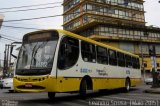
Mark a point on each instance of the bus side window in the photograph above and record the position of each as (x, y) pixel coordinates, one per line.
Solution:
(68, 52)
(112, 57)
(88, 52)
(138, 63)
(121, 59)
(128, 61)
(102, 55)
(135, 63)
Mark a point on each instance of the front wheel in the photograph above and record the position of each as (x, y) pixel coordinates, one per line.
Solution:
(51, 95)
(83, 89)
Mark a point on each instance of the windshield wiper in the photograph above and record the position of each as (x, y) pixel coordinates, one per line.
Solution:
(35, 51)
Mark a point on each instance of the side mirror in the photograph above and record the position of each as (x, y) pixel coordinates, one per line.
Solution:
(11, 52)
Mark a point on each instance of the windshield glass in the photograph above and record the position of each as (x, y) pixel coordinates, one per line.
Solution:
(36, 58)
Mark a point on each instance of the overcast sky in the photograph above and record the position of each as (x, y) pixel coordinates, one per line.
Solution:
(152, 17)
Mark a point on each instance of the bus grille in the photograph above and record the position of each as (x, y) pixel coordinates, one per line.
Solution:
(31, 79)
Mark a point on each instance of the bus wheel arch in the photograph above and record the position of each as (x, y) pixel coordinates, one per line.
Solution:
(86, 84)
(89, 82)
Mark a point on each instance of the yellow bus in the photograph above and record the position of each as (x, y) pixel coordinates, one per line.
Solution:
(57, 61)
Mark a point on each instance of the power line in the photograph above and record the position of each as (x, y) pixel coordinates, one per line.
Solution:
(20, 27)
(6, 38)
(9, 36)
(27, 19)
(30, 9)
(29, 6)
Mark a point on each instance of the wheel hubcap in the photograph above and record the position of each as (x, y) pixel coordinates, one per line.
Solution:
(128, 87)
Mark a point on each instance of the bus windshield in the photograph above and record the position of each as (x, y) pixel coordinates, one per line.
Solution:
(36, 58)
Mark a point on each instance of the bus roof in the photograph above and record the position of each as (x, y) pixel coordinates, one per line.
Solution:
(84, 39)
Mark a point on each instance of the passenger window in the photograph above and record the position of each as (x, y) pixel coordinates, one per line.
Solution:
(68, 52)
(112, 57)
(121, 59)
(128, 61)
(138, 63)
(134, 60)
(88, 52)
(102, 55)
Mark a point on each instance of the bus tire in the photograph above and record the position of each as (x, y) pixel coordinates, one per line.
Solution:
(127, 85)
(51, 95)
(83, 89)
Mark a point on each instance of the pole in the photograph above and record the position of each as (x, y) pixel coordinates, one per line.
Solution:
(152, 53)
(7, 57)
(4, 64)
(0, 61)
(142, 66)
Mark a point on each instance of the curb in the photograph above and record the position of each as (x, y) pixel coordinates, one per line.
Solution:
(152, 91)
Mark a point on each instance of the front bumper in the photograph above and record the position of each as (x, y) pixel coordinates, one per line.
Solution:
(37, 84)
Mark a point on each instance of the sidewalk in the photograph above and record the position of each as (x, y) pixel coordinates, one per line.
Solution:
(152, 90)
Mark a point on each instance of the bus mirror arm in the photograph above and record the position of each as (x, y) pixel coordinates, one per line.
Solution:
(14, 56)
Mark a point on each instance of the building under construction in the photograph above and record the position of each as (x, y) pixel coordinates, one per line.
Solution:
(119, 23)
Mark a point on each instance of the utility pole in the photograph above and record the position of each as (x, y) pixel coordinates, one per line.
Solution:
(0, 61)
(152, 53)
(7, 58)
(4, 64)
(142, 57)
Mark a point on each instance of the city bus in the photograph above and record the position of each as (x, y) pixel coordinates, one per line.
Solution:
(58, 61)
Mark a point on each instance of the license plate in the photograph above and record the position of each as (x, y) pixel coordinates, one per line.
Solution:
(28, 85)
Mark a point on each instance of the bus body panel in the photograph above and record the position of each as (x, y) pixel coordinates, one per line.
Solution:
(69, 80)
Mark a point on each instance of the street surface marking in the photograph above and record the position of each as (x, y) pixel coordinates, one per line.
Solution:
(71, 104)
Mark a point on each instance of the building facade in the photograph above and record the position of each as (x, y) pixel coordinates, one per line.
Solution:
(119, 23)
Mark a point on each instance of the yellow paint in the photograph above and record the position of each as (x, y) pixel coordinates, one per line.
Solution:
(61, 84)
(147, 60)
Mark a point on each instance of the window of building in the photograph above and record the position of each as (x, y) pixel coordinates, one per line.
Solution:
(127, 32)
(120, 31)
(115, 31)
(110, 30)
(89, 7)
(112, 57)
(102, 55)
(88, 52)
(116, 12)
(69, 48)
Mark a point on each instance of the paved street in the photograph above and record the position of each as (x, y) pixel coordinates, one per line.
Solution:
(135, 97)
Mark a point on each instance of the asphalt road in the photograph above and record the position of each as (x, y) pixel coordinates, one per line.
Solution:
(136, 97)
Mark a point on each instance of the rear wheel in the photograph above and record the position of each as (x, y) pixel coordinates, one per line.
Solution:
(51, 95)
(83, 89)
(127, 85)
